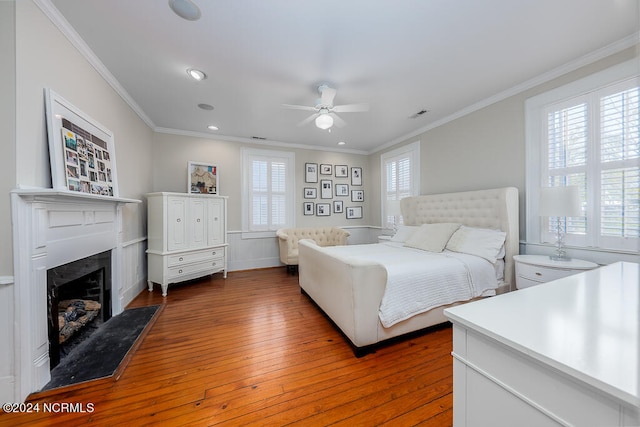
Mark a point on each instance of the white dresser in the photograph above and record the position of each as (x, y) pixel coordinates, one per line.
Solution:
(563, 353)
(187, 236)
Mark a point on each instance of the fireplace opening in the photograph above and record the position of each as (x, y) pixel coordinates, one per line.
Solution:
(78, 302)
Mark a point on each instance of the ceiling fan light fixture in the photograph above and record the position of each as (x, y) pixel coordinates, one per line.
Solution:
(196, 74)
(324, 121)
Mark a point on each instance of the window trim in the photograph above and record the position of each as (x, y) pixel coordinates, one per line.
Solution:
(534, 134)
(413, 151)
(289, 158)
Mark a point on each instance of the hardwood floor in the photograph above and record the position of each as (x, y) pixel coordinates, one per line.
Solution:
(252, 350)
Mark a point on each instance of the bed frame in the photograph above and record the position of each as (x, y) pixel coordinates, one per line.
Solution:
(349, 291)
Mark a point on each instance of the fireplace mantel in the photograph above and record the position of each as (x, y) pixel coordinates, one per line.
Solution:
(51, 228)
(50, 194)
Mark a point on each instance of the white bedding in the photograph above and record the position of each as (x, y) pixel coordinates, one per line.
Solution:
(418, 280)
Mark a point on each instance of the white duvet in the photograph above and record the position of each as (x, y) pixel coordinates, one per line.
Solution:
(418, 281)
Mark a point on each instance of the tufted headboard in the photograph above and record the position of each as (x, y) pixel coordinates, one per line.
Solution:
(496, 209)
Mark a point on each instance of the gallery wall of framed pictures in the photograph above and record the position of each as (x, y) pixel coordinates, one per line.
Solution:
(336, 189)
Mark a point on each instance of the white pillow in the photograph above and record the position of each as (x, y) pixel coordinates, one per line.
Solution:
(404, 232)
(432, 237)
(481, 242)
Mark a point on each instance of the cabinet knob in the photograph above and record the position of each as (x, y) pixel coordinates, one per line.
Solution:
(215, 219)
(180, 271)
(213, 264)
(538, 273)
(213, 253)
(180, 259)
(198, 220)
(178, 220)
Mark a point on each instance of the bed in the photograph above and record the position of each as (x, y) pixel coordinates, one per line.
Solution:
(350, 283)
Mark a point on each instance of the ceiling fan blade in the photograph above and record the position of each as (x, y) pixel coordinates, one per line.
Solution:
(337, 120)
(326, 95)
(351, 108)
(307, 120)
(299, 107)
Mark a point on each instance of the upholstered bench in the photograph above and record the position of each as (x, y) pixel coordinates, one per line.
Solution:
(323, 236)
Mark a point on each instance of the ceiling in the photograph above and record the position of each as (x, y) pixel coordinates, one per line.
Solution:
(446, 57)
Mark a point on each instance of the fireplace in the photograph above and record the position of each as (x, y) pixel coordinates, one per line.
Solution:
(78, 302)
(53, 228)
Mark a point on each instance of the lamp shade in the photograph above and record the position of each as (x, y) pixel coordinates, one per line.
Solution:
(324, 121)
(560, 201)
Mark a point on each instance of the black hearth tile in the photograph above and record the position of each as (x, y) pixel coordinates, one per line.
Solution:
(101, 354)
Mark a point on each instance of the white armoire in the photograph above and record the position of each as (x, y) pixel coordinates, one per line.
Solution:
(187, 237)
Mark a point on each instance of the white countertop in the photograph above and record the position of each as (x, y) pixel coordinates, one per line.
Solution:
(586, 325)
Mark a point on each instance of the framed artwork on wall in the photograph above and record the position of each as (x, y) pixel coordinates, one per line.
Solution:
(357, 195)
(356, 176)
(342, 171)
(326, 189)
(338, 206)
(323, 209)
(310, 193)
(311, 172)
(342, 190)
(307, 208)
(81, 150)
(354, 212)
(202, 178)
(326, 169)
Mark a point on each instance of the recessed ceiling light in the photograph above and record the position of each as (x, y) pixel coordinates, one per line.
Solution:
(341, 143)
(196, 74)
(206, 107)
(185, 9)
(212, 127)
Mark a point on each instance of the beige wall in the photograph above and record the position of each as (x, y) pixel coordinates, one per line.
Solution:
(7, 129)
(171, 153)
(46, 59)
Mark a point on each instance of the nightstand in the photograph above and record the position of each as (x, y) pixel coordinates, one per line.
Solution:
(532, 270)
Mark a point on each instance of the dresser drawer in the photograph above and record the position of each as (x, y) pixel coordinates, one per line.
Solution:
(189, 269)
(542, 274)
(195, 256)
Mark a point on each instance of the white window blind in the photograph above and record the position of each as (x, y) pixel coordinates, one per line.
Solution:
(593, 142)
(400, 178)
(268, 189)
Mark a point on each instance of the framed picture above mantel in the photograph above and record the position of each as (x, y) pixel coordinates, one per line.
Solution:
(81, 150)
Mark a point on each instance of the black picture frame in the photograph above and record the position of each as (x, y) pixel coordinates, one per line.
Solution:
(342, 171)
(310, 193)
(311, 172)
(326, 169)
(354, 212)
(307, 208)
(323, 209)
(326, 189)
(356, 176)
(357, 195)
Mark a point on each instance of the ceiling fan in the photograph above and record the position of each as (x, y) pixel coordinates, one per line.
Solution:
(324, 113)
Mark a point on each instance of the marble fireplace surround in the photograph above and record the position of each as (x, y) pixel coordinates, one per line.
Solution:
(52, 228)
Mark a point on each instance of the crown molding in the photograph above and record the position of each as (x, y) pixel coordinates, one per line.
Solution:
(264, 142)
(67, 30)
(583, 61)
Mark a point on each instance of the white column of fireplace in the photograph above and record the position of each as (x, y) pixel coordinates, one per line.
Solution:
(52, 228)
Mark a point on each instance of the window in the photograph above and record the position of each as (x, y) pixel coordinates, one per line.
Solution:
(400, 177)
(591, 140)
(268, 189)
